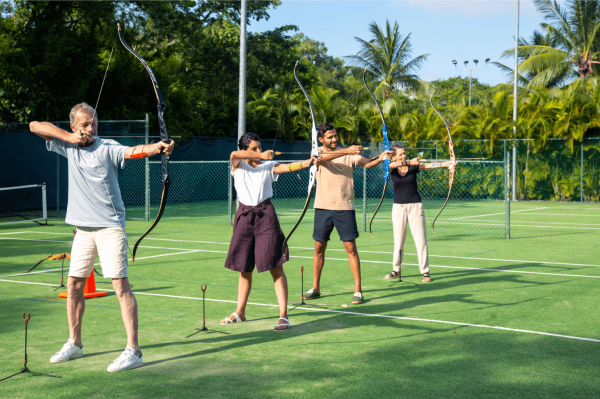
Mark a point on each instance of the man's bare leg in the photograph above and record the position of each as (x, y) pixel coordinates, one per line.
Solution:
(353, 259)
(129, 312)
(75, 307)
(318, 263)
(281, 289)
(244, 287)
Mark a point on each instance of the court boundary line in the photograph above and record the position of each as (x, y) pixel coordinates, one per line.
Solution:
(387, 262)
(334, 249)
(500, 213)
(454, 323)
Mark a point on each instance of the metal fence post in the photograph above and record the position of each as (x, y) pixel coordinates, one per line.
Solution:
(147, 170)
(581, 173)
(229, 193)
(436, 170)
(507, 192)
(364, 200)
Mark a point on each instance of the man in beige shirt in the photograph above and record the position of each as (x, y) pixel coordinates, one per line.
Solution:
(334, 205)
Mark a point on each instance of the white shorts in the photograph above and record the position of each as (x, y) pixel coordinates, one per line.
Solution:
(108, 242)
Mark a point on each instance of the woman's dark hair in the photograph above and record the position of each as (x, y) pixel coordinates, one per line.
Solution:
(325, 127)
(395, 148)
(245, 140)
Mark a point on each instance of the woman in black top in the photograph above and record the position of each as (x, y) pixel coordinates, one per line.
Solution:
(409, 208)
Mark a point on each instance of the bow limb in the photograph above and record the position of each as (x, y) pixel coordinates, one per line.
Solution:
(314, 152)
(164, 136)
(452, 159)
(37, 264)
(386, 146)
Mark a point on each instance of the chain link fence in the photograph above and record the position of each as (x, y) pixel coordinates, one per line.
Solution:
(558, 171)
(202, 191)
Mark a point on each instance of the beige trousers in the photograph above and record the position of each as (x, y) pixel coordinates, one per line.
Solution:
(415, 216)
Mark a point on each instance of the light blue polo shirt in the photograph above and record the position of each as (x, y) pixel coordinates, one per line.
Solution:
(93, 182)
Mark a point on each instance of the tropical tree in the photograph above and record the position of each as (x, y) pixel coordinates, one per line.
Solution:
(570, 47)
(387, 58)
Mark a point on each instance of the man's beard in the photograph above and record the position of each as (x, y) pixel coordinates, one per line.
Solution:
(331, 146)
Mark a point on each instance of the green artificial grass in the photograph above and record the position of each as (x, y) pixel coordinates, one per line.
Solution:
(397, 344)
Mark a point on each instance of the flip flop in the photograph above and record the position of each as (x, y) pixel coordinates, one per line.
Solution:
(392, 275)
(232, 321)
(282, 327)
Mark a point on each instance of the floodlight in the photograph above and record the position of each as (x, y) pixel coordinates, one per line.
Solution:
(466, 62)
(476, 62)
(454, 62)
(487, 60)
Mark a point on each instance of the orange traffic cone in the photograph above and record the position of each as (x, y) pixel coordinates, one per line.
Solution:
(89, 291)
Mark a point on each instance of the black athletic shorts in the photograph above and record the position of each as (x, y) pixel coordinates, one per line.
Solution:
(344, 222)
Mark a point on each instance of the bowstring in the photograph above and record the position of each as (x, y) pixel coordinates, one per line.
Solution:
(287, 94)
(98, 158)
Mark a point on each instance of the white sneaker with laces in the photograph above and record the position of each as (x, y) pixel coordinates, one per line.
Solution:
(69, 351)
(127, 360)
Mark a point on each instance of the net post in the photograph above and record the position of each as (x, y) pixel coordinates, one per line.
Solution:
(147, 172)
(57, 185)
(44, 203)
(364, 200)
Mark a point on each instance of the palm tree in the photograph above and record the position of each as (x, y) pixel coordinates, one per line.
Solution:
(387, 57)
(572, 43)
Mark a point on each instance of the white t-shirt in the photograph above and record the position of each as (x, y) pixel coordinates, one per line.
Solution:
(254, 185)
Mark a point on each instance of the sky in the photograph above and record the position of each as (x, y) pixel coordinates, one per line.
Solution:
(446, 30)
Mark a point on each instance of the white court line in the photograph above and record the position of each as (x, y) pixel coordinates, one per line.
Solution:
(454, 323)
(360, 251)
(98, 264)
(524, 221)
(387, 262)
(500, 213)
(391, 253)
(560, 214)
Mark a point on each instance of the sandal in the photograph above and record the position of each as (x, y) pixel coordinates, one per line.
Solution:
(426, 278)
(229, 320)
(393, 274)
(282, 327)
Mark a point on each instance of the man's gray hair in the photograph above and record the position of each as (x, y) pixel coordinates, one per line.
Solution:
(81, 107)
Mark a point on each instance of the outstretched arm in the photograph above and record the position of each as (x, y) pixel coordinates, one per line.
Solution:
(149, 150)
(294, 166)
(369, 163)
(447, 164)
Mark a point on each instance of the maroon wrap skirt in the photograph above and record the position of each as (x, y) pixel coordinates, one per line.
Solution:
(257, 239)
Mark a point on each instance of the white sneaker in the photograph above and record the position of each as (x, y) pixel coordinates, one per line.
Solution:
(69, 351)
(127, 360)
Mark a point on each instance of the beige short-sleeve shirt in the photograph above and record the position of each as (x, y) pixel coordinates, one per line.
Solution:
(335, 183)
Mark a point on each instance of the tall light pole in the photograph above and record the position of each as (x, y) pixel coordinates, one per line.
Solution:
(242, 96)
(515, 94)
(471, 72)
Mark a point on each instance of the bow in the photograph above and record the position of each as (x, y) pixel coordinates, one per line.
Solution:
(452, 159)
(164, 136)
(314, 153)
(62, 256)
(386, 146)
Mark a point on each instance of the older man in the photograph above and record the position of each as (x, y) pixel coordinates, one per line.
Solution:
(96, 208)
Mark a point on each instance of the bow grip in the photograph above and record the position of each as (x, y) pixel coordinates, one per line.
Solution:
(162, 150)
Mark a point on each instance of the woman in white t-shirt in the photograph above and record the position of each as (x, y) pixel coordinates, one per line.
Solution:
(257, 237)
